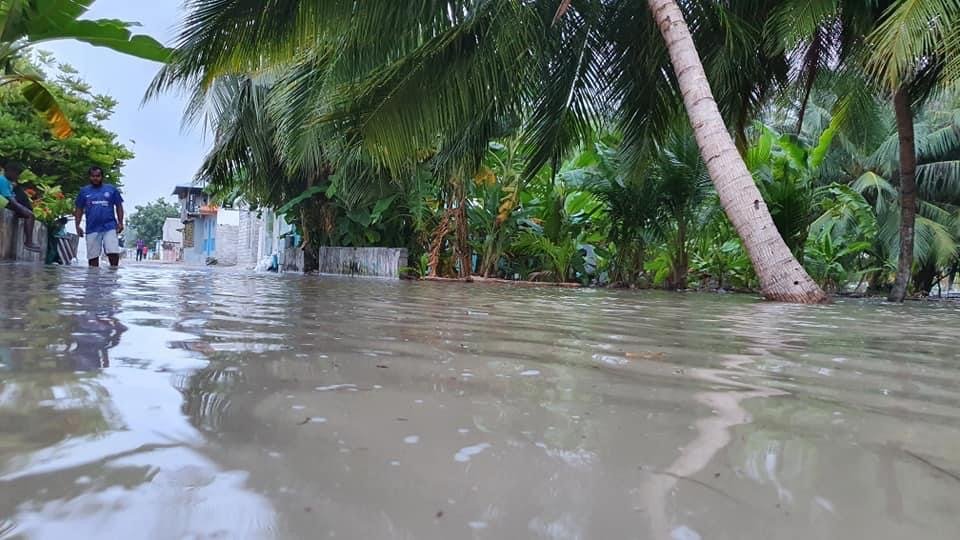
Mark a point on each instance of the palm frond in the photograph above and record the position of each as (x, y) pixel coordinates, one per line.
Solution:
(909, 31)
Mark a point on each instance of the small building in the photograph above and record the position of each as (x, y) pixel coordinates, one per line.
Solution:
(199, 218)
(170, 246)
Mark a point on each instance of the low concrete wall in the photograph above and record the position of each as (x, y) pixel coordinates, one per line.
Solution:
(292, 260)
(374, 262)
(11, 239)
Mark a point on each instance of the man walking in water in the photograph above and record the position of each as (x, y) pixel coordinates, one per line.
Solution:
(103, 206)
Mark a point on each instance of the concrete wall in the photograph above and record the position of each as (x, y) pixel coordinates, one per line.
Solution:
(292, 260)
(378, 262)
(173, 230)
(11, 239)
(248, 239)
(226, 253)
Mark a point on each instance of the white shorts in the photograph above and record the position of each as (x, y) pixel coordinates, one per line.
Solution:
(102, 242)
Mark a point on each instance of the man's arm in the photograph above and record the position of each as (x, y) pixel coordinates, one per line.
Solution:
(119, 218)
(78, 217)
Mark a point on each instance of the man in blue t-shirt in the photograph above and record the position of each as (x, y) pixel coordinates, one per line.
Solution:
(103, 206)
(12, 197)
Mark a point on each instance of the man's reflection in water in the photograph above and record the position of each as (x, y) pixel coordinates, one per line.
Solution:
(96, 329)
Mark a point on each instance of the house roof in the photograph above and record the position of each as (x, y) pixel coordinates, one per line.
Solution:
(185, 190)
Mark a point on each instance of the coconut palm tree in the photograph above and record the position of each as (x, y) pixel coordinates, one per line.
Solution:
(405, 73)
(27, 23)
(915, 49)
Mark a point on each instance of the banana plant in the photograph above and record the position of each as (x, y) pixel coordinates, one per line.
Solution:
(26, 23)
(787, 170)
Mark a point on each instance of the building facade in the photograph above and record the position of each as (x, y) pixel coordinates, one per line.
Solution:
(199, 218)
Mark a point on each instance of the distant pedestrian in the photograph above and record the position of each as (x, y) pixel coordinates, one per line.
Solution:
(12, 196)
(102, 205)
(141, 249)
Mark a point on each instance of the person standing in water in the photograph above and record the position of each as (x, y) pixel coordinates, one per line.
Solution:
(103, 207)
(141, 249)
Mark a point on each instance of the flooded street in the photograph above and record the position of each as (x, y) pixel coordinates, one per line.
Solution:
(162, 402)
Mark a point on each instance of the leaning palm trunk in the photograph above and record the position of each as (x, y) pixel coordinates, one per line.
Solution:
(782, 277)
(908, 193)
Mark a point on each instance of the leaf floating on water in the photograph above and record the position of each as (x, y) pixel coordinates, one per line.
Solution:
(305, 421)
(382, 366)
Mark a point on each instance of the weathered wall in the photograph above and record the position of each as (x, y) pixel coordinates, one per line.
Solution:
(226, 244)
(11, 239)
(248, 239)
(292, 259)
(378, 262)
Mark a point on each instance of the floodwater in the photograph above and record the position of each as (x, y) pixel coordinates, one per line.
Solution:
(160, 402)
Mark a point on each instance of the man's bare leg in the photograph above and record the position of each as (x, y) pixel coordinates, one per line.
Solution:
(94, 262)
(26, 216)
(114, 259)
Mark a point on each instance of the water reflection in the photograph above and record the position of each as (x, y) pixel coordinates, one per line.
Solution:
(287, 407)
(91, 438)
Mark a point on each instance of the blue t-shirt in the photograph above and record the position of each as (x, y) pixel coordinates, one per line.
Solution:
(97, 204)
(6, 188)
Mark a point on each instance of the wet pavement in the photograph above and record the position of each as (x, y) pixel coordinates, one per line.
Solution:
(165, 402)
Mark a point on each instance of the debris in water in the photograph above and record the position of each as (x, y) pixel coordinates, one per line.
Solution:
(382, 366)
(530, 373)
(305, 421)
(684, 533)
(336, 387)
(411, 439)
(439, 514)
(468, 452)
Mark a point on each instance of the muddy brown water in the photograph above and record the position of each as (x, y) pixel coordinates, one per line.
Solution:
(160, 402)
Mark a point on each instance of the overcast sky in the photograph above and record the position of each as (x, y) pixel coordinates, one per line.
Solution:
(165, 155)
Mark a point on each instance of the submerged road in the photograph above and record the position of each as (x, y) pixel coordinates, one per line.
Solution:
(167, 402)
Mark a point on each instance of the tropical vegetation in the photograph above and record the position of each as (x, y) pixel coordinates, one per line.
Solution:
(57, 168)
(547, 141)
(787, 146)
(27, 23)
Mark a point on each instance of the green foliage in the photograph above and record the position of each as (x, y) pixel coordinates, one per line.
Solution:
(24, 136)
(147, 221)
(25, 23)
(558, 137)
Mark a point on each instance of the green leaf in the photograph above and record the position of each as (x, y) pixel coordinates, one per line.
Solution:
(381, 207)
(361, 217)
(794, 150)
(109, 33)
(309, 193)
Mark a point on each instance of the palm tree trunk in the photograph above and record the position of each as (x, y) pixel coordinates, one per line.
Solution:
(908, 193)
(311, 260)
(781, 276)
(681, 264)
(462, 246)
